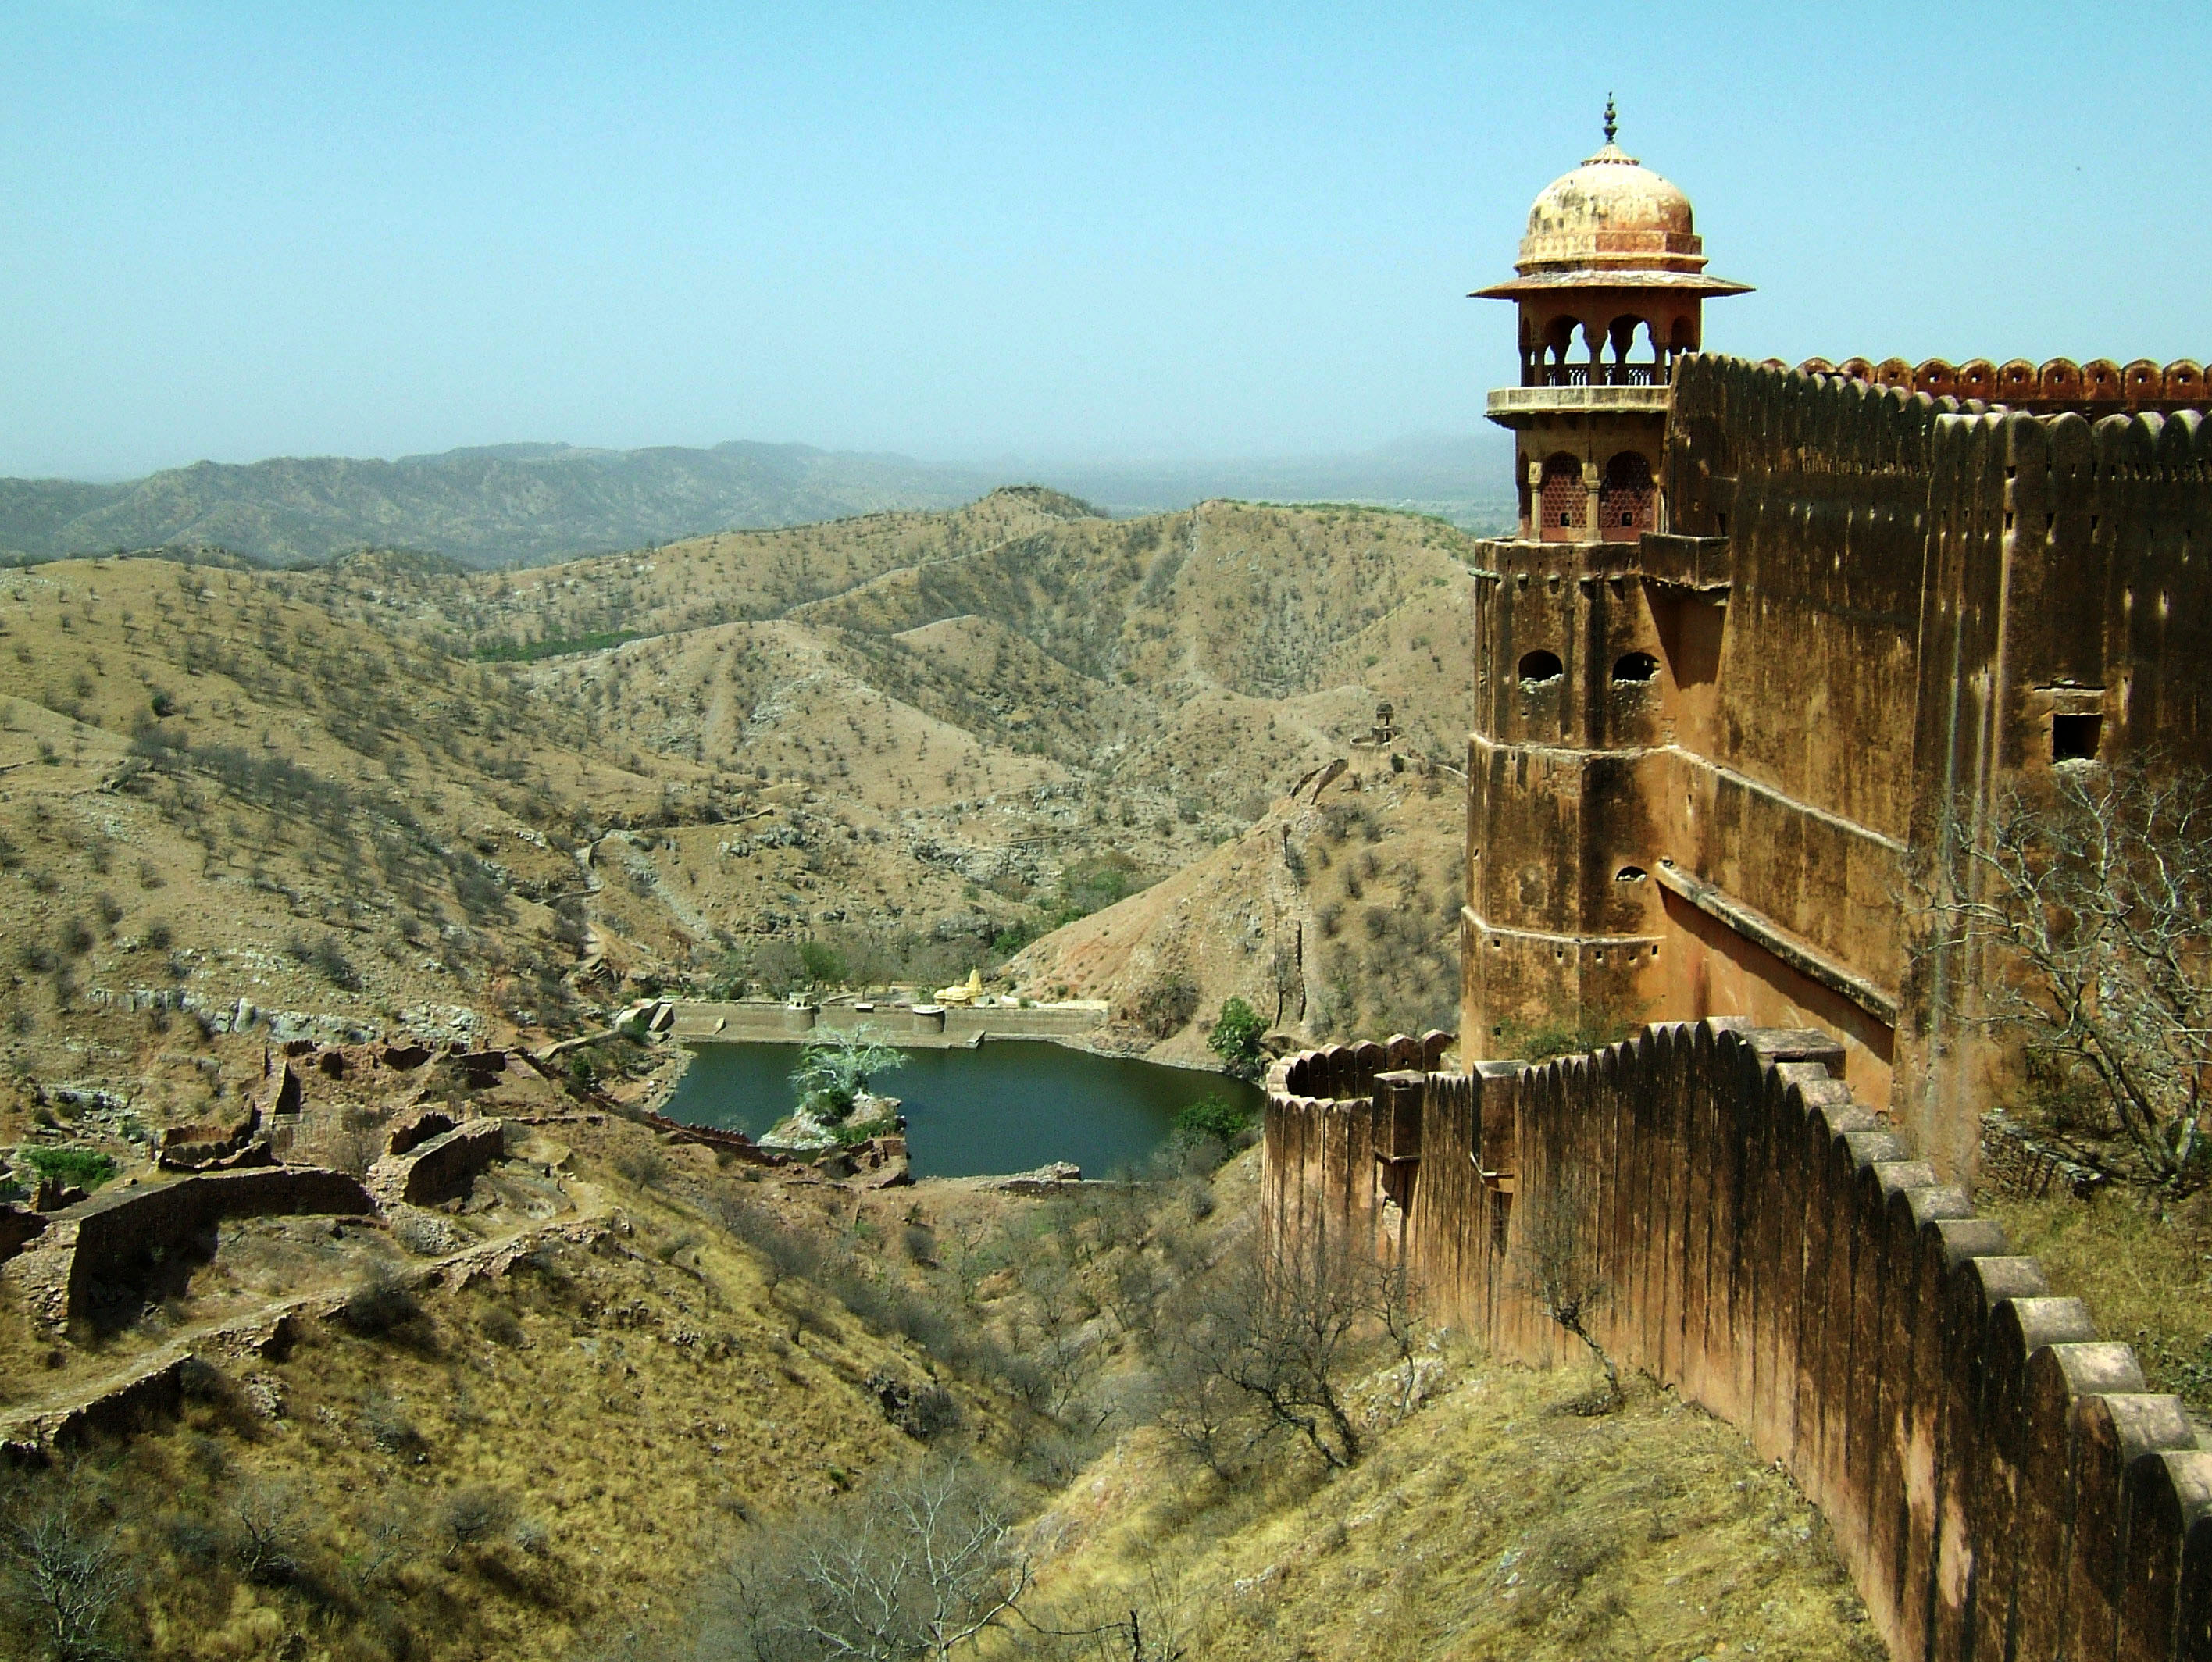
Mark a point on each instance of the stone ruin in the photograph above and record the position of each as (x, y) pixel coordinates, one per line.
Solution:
(73, 1262)
(1385, 731)
(76, 1261)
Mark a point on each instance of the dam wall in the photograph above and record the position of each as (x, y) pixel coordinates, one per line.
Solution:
(926, 1026)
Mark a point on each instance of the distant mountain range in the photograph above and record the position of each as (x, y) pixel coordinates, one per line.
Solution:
(524, 504)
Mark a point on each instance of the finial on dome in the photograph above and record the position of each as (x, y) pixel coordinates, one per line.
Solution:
(1612, 125)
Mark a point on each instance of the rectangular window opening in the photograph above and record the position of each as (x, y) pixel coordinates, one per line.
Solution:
(2074, 738)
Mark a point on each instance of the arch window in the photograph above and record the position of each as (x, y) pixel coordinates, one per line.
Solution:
(1563, 500)
(1539, 667)
(1628, 497)
(1635, 668)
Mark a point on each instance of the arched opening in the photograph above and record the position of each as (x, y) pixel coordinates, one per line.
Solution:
(1635, 668)
(1538, 667)
(1564, 501)
(1627, 498)
(1629, 874)
(1559, 338)
(1620, 372)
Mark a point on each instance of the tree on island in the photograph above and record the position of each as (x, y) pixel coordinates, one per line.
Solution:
(833, 1071)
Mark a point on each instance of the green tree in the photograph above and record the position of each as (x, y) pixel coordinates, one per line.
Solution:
(1236, 1039)
(834, 1067)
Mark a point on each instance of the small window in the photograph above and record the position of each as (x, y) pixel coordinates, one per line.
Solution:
(1636, 667)
(1629, 874)
(2075, 738)
(1539, 667)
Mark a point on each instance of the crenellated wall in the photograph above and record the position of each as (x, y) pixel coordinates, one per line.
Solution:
(2098, 388)
(1997, 1477)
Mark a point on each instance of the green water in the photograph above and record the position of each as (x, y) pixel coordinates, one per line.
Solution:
(1008, 1107)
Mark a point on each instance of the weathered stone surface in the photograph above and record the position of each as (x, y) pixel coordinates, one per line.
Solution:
(112, 1237)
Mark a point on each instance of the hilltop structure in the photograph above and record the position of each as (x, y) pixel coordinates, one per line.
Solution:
(1762, 634)
(1726, 719)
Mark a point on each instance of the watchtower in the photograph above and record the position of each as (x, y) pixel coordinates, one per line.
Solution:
(1583, 669)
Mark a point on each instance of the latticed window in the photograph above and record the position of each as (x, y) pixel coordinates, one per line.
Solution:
(1627, 499)
(1564, 497)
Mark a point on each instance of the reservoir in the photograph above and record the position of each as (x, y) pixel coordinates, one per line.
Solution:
(1008, 1107)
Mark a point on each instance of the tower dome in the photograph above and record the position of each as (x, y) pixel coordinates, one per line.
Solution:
(1609, 292)
(1611, 223)
(1612, 213)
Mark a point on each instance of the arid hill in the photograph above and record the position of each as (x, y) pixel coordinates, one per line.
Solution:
(490, 505)
(388, 794)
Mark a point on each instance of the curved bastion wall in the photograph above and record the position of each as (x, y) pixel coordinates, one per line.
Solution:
(1995, 1476)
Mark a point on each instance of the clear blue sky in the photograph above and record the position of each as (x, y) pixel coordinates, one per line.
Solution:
(1038, 231)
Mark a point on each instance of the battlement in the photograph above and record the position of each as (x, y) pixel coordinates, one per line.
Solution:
(2098, 388)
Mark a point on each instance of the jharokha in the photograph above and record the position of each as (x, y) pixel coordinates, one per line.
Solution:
(1763, 640)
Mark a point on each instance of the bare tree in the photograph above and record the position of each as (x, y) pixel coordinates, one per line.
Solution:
(1554, 1263)
(912, 1569)
(270, 1525)
(1154, 1625)
(69, 1573)
(1202, 1410)
(2089, 897)
(1282, 1327)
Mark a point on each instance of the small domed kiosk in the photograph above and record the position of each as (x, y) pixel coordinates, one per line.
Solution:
(1610, 286)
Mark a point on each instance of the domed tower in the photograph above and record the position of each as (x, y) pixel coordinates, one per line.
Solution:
(1583, 668)
(1609, 287)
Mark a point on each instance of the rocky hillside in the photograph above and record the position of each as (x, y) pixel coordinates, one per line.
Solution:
(1335, 915)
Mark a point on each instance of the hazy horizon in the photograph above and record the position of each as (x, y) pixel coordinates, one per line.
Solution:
(1484, 445)
(955, 231)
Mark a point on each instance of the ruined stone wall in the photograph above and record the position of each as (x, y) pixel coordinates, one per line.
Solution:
(1995, 1476)
(112, 1237)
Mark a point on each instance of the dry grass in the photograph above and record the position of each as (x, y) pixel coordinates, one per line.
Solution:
(1492, 1523)
(494, 1470)
(2145, 1272)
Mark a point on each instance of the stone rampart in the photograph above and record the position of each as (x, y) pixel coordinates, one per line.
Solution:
(424, 1173)
(1997, 1477)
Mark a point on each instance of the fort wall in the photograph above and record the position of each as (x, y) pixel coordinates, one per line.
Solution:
(112, 1237)
(1875, 608)
(1997, 1477)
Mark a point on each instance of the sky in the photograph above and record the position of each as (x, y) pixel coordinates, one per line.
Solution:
(971, 233)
